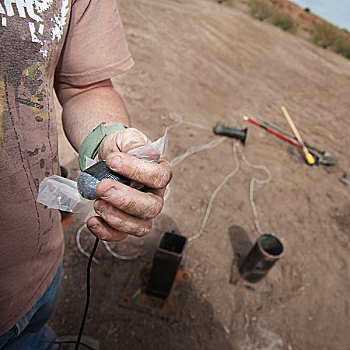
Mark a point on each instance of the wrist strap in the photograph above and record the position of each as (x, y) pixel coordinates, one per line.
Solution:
(89, 147)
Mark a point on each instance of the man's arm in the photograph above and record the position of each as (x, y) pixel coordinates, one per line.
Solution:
(122, 210)
(85, 107)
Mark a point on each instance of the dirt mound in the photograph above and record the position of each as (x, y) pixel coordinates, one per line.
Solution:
(304, 17)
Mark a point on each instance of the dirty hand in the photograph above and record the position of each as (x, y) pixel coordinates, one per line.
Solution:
(124, 210)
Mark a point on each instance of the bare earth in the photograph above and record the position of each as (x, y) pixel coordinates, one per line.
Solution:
(209, 63)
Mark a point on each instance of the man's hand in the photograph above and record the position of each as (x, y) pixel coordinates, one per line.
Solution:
(124, 210)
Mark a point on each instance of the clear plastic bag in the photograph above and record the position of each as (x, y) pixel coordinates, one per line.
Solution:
(60, 193)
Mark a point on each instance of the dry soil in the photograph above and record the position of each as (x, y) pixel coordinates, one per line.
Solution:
(209, 64)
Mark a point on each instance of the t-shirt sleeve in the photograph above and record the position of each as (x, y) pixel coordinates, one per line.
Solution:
(95, 47)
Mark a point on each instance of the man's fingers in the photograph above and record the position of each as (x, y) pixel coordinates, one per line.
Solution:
(124, 210)
(153, 175)
(122, 222)
(103, 231)
(117, 226)
(143, 205)
(114, 149)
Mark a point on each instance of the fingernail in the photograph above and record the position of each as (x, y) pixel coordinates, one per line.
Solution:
(101, 209)
(143, 232)
(108, 193)
(93, 227)
(115, 163)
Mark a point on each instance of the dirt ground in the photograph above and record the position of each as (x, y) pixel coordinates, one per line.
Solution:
(209, 64)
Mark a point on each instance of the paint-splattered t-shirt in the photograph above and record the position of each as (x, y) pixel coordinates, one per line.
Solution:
(78, 42)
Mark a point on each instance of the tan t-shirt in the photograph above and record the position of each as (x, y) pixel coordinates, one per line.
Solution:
(84, 40)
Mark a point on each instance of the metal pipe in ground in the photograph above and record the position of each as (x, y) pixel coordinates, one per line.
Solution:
(166, 263)
(263, 255)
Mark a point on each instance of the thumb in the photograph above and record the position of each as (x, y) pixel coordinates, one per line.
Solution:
(130, 139)
(122, 141)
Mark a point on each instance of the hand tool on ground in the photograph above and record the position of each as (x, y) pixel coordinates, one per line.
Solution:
(231, 132)
(273, 130)
(308, 156)
(266, 124)
(321, 157)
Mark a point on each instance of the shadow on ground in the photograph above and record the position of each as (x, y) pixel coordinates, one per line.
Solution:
(117, 327)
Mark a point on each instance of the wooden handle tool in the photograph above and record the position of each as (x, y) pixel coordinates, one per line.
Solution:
(308, 156)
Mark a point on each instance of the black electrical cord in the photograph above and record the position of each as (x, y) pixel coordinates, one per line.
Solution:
(78, 341)
(87, 294)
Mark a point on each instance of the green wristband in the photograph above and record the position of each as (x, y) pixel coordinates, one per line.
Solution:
(89, 147)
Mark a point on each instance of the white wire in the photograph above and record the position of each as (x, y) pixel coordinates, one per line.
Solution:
(251, 190)
(223, 182)
(180, 158)
(118, 256)
(195, 149)
(81, 249)
(251, 187)
(109, 249)
(177, 118)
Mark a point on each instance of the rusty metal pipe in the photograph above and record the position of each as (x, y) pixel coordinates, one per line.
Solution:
(262, 256)
(166, 263)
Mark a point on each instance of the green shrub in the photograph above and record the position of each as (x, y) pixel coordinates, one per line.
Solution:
(261, 9)
(264, 10)
(342, 46)
(329, 36)
(283, 21)
(325, 35)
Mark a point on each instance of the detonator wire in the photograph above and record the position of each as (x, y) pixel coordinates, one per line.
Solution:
(212, 144)
(88, 271)
(174, 162)
(223, 182)
(78, 342)
(195, 149)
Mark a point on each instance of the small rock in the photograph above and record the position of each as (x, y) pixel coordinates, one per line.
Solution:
(345, 179)
(227, 330)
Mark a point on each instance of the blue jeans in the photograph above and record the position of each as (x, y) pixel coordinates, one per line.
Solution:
(31, 331)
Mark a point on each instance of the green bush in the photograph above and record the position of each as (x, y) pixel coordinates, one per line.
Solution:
(329, 36)
(325, 35)
(261, 9)
(342, 46)
(264, 10)
(283, 21)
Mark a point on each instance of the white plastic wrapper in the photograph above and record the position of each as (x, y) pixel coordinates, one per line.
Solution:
(60, 193)
(151, 152)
